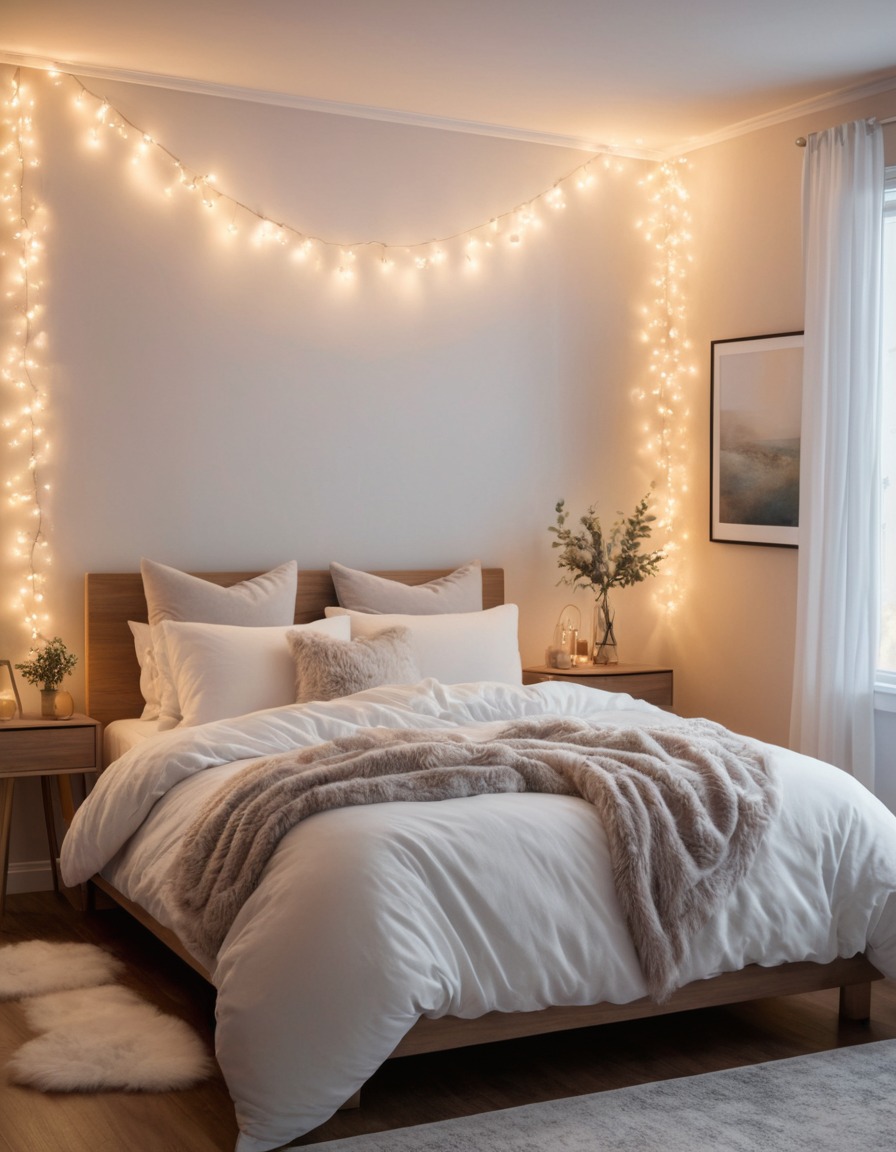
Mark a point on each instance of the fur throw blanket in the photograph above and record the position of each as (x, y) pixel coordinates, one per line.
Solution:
(684, 809)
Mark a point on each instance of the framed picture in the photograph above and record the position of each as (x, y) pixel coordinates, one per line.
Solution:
(757, 388)
(10, 704)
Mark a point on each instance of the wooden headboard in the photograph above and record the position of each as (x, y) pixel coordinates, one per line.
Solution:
(114, 598)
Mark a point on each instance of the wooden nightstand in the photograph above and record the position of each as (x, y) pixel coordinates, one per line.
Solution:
(651, 682)
(44, 748)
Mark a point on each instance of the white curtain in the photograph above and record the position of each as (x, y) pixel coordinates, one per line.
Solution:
(837, 624)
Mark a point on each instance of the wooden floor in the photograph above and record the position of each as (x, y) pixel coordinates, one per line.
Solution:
(407, 1091)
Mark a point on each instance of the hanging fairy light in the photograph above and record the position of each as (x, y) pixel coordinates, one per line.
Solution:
(665, 394)
(24, 404)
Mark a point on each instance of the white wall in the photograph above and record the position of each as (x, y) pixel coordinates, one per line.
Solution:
(211, 406)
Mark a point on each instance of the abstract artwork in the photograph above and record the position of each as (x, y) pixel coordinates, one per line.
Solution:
(755, 445)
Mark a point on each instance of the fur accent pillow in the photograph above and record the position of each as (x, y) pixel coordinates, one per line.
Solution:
(327, 668)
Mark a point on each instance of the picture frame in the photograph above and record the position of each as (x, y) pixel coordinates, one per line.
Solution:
(10, 705)
(755, 415)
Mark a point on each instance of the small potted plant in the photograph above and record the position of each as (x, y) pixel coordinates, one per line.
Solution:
(46, 669)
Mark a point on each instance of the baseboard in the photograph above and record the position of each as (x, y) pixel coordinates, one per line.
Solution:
(29, 876)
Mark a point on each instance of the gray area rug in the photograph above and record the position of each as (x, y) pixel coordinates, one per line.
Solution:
(840, 1101)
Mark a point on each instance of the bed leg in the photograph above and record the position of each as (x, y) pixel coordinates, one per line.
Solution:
(855, 1001)
(352, 1102)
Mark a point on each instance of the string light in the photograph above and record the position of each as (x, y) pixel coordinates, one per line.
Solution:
(466, 249)
(24, 399)
(667, 440)
(665, 229)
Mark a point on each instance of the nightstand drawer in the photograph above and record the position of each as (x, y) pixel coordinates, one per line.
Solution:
(652, 683)
(24, 751)
(655, 687)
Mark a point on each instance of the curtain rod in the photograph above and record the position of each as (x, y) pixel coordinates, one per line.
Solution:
(801, 140)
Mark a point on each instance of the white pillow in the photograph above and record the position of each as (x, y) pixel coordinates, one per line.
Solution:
(459, 591)
(149, 673)
(215, 671)
(263, 601)
(326, 668)
(456, 648)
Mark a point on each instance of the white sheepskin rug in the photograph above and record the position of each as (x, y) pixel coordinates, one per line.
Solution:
(94, 1039)
(35, 967)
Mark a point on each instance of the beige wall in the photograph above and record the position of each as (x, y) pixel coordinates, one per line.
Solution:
(733, 643)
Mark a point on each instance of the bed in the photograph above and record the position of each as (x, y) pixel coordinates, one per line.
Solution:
(393, 929)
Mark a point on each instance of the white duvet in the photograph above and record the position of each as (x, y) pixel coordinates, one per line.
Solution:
(368, 918)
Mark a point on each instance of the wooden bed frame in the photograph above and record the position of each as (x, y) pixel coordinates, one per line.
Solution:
(113, 692)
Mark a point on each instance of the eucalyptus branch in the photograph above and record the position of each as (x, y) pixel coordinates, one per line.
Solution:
(599, 561)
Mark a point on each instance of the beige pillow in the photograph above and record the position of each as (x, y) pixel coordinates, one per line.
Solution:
(460, 591)
(264, 601)
(327, 668)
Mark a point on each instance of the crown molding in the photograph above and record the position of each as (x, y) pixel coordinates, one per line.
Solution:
(80, 68)
(822, 103)
(313, 104)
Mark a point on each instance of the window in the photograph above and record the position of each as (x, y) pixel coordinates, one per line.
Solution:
(887, 657)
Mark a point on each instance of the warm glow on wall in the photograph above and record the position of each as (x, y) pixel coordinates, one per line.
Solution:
(664, 395)
(23, 401)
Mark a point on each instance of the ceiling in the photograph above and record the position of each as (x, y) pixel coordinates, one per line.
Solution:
(641, 76)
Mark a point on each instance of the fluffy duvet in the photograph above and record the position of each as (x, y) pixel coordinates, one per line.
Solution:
(367, 918)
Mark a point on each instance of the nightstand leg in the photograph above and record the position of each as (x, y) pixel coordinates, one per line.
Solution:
(6, 787)
(50, 819)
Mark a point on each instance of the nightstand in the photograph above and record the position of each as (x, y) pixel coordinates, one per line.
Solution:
(651, 682)
(44, 748)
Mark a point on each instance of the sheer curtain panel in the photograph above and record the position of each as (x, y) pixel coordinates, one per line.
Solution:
(832, 714)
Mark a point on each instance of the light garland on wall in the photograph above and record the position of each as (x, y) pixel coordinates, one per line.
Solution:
(667, 230)
(24, 401)
(466, 249)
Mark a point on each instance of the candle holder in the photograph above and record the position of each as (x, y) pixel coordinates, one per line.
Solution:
(569, 647)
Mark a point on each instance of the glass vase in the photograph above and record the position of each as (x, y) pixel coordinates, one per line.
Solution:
(56, 704)
(604, 649)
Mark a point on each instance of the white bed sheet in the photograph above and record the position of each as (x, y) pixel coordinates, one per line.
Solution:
(367, 918)
(122, 735)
